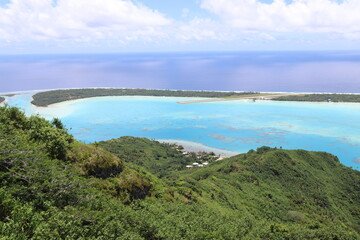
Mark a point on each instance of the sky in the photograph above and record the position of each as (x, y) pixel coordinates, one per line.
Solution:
(117, 26)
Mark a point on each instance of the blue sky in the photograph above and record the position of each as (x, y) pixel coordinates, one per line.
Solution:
(96, 26)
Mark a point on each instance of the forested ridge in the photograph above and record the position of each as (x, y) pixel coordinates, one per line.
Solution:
(55, 187)
(43, 99)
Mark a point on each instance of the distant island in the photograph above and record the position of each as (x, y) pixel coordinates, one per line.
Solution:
(43, 99)
(321, 98)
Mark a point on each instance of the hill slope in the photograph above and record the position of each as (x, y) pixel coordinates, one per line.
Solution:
(160, 159)
(53, 187)
(293, 186)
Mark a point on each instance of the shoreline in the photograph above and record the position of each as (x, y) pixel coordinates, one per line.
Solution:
(223, 91)
(190, 146)
(50, 97)
(85, 99)
(257, 96)
(198, 100)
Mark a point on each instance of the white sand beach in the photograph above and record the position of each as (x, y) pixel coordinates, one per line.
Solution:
(190, 146)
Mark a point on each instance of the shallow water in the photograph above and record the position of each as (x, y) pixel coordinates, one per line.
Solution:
(233, 125)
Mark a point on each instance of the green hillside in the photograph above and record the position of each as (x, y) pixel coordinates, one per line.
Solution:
(54, 187)
(283, 186)
(160, 159)
(2, 99)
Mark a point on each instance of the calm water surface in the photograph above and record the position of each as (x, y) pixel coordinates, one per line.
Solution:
(244, 71)
(233, 125)
(236, 125)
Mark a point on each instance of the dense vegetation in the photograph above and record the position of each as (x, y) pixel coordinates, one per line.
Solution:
(2, 99)
(160, 159)
(54, 187)
(44, 99)
(321, 98)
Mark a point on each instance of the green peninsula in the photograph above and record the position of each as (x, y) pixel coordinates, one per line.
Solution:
(54, 187)
(2, 99)
(321, 98)
(43, 99)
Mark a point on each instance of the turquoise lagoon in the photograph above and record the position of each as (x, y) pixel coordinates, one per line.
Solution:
(237, 126)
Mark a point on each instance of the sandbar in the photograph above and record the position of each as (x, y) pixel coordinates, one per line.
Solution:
(254, 97)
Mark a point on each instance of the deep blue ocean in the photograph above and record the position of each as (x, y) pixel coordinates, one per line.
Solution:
(234, 125)
(243, 71)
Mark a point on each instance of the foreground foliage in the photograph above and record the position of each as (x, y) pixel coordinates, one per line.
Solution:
(44, 99)
(53, 187)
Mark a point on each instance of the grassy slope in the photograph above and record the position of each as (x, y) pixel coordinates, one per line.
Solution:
(159, 158)
(321, 98)
(282, 185)
(90, 193)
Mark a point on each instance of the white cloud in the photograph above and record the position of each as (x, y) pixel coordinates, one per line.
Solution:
(312, 16)
(119, 23)
(185, 13)
(201, 29)
(79, 20)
